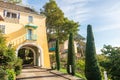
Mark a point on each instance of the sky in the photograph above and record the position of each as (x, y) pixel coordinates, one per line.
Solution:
(103, 15)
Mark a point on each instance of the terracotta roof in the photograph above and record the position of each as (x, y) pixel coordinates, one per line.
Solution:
(1, 19)
(16, 7)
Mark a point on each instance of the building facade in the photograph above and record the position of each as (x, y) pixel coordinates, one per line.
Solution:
(25, 29)
(64, 47)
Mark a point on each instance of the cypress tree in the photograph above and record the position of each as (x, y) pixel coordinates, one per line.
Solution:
(71, 56)
(57, 55)
(92, 71)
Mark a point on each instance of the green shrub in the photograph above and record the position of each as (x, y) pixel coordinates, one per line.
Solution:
(8, 60)
(18, 66)
(11, 74)
(80, 68)
(80, 65)
(3, 74)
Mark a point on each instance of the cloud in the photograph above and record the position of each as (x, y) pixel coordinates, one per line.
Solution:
(75, 9)
(103, 15)
(106, 27)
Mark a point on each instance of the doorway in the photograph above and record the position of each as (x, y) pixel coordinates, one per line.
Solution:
(29, 34)
(27, 56)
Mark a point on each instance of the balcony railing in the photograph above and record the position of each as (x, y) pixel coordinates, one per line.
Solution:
(31, 37)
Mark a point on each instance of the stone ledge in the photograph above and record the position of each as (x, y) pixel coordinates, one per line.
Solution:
(65, 75)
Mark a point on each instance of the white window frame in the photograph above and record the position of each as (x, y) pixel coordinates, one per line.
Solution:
(5, 14)
(30, 19)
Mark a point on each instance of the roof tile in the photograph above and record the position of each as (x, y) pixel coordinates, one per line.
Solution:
(16, 7)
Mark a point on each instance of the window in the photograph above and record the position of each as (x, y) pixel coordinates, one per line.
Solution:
(2, 29)
(14, 15)
(30, 19)
(8, 14)
(11, 14)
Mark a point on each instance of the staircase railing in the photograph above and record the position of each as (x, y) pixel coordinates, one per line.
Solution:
(22, 39)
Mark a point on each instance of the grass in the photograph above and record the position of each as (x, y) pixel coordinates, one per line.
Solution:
(63, 70)
(77, 74)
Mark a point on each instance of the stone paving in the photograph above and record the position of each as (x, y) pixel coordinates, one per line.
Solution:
(31, 73)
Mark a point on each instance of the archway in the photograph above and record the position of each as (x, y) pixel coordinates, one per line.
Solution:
(27, 55)
(35, 54)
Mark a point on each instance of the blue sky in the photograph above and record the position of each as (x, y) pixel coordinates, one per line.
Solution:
(103, 15)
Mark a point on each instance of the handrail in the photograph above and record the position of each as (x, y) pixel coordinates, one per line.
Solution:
(17, 41)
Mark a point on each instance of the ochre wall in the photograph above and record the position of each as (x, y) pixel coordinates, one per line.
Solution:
(16, 32)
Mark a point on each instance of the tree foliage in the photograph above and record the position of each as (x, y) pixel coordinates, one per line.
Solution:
(71, 56)
(112, 64)
(92, 71)
(57, 24)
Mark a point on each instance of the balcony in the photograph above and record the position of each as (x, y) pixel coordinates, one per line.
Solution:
(32, 37)
(31, 25)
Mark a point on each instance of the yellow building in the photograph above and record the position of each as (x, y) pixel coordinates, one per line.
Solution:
(25, 29)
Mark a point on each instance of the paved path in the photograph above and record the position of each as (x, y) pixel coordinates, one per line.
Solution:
(30, 73)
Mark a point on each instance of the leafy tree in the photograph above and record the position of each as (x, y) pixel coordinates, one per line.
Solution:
(57, 24)
(92, 71)
(71, 56)
(55, 17)
(57, 55)
(68, 27)
(112, 64)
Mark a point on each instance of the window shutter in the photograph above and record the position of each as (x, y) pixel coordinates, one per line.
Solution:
(4, 13)
(18, 15)
(2, 28)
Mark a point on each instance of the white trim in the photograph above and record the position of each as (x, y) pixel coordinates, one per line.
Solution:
(41, 58)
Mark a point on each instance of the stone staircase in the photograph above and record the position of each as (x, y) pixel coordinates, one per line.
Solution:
(17, 41)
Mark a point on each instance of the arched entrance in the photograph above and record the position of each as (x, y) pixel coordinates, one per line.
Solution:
(31, 54)
(27, 55)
